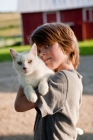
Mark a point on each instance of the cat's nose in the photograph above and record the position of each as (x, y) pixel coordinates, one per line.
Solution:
(24, 68)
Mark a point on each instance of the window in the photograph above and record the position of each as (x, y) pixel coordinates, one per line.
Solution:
(88, 14)
(51, 17)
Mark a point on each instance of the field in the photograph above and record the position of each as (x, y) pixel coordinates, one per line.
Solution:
(10, 25)
(10, 29)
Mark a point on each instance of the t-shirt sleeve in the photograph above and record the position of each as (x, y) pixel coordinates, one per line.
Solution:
(54, 100)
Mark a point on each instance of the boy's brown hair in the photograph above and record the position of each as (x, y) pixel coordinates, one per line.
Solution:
(50, 33)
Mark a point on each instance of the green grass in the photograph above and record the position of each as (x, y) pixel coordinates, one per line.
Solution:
(5, 54)
(86, 48)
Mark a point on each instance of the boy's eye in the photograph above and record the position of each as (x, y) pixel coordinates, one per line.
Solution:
(47, 46)
(20, 63)
(29, 61)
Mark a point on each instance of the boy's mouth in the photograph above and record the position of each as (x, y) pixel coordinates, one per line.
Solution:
(46, 60)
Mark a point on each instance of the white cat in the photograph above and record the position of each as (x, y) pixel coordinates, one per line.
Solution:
(32, 72)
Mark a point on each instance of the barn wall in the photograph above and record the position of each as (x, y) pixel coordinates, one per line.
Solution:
(82, 30)
(51, 17)
(30, 22)
(74, 15)
(78, 31)
(89, 30)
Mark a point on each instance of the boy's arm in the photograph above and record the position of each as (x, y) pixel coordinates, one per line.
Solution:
(21, 103)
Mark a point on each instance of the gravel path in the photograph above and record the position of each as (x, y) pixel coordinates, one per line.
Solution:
(19, 126)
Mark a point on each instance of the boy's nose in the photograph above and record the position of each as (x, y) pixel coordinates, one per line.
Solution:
(42, 54)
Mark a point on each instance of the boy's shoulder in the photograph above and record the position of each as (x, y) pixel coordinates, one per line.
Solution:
(72, 73)
(59, 76)
(65, 74)
(67, 77)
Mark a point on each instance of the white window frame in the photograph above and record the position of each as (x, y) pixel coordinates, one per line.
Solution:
(90, 14)
(45, 16)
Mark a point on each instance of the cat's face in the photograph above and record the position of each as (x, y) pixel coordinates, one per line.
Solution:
(25, 62)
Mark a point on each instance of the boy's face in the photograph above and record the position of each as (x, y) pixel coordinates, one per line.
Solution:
(53, 56)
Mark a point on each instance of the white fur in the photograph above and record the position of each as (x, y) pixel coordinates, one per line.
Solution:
(79, 131)
(37, 72)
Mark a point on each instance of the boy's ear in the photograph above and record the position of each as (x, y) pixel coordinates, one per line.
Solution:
(34, 49)
(13, 53)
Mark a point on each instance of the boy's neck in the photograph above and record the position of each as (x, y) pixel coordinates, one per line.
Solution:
(65, 67)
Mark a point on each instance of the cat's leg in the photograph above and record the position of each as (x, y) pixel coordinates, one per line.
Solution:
(43, 86)
(30, 93)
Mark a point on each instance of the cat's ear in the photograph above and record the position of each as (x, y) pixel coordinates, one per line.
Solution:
(13, 53)
(34, 49)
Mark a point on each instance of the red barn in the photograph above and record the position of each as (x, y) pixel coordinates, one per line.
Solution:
(78, 14)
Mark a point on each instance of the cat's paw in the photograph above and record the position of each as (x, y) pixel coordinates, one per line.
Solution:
(79, 131)
(31, 97)
(30, 94)
(43, 88)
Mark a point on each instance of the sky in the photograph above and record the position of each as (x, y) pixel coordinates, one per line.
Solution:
(11, 5)
(8, 5)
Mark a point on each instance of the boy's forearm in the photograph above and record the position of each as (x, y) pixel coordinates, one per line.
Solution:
(21, 103)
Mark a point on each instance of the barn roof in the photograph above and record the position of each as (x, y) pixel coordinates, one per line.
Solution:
(24, 6)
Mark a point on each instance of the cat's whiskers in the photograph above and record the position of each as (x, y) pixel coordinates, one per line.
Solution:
(15, 77)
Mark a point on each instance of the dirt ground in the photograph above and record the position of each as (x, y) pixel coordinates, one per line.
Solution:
(19, 126)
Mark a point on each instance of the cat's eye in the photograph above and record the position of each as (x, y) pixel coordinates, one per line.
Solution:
(29, 61)
(20, 63)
